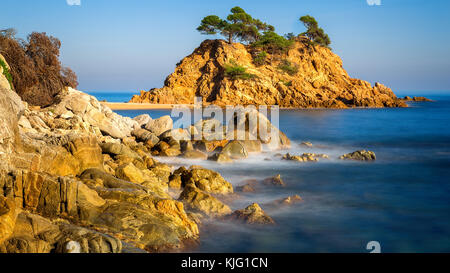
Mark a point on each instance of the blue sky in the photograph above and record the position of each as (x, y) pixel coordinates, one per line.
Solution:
(116, 45)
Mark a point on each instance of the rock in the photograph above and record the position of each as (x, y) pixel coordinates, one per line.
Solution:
(93, 113)
(87, 151)
(197, 200)
(194, 154)
(145, 136)
(235, 150)
(288, 201)
(8, 215)
(220, 158)
(322, 83)
(306, 144)
(246, 188)
(252, 146)
(129, 172)
(142, 119)
(108, 181)
(274, 181)
(209, 146)
(253, 214)
(362, 155)
(306, 157)
(416, 99)
(159, 126)
(186, 145)
(207, 180)
(116, 149)
(175, 182)
(170, 152)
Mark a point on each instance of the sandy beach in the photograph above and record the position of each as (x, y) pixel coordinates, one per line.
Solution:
(136, 106)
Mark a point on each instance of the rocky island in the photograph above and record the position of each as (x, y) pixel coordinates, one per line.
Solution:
(266, 69)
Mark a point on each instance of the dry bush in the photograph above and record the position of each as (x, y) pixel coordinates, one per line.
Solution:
(37, 73)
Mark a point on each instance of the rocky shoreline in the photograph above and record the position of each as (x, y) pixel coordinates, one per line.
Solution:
(77, 177)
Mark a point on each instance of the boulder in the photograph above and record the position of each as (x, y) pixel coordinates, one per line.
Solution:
(252, 214)
(159, 126)
(195, 154)
(362, 155)
(115, 149)
(207, 180)
(220, 158)
(142, 119)
(235, 150)
(145, 136)
(199, 201)
(129, 172)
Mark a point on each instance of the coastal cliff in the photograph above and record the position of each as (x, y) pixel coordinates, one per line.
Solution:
(303, 77)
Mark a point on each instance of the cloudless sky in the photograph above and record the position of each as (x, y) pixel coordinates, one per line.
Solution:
(118, 45)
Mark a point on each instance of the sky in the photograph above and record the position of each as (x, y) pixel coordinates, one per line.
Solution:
(117, 45)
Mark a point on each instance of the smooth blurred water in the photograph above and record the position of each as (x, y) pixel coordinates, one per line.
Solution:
(402, 200)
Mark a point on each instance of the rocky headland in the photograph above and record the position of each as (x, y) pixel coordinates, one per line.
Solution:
(303, 77)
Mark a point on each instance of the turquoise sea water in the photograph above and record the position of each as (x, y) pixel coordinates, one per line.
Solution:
(402, 200)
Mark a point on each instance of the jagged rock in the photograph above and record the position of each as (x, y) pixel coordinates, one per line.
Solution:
(283, 202)
(207, 180)
(253, 214)
(252, 146)
(142, 119)
(321, 80)
(274, 181)
(93, 113)
(197, 200)
(362, 155)
(159, 126)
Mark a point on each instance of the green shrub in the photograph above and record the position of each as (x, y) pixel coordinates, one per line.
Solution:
(287, 83)
(288, 68)
(6, 73)
(235, 72)
(260, 58)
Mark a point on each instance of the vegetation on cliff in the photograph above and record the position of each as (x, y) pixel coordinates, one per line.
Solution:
(35, 70)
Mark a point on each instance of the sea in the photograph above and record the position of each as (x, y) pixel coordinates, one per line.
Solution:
(401, 201)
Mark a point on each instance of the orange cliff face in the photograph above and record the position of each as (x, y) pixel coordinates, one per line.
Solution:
(320, 80)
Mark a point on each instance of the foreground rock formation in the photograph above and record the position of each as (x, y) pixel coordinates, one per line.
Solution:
(318, 80)
(76, 177)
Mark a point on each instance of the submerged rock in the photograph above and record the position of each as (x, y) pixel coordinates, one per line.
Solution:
(253, 214)
(362, 155)
(306, 157)
(274, 181)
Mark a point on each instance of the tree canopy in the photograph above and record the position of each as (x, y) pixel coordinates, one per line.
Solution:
(316, 34)
(238, 25)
